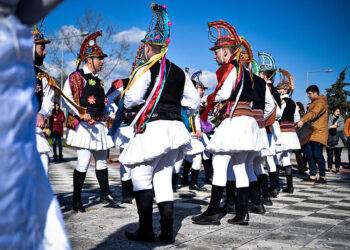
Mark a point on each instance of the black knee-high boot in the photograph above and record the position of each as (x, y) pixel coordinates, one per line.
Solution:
(106, 195)
(262, 179)
(186, 170)
(144, 202)
(273, 184)
(127, 191)
(242, 216)
(229, 206)
(78, 181)
(257, 206)
(208, 168)
(166, 210)
(211, 215)
(289, 175)
(278, 167)
(194, 180)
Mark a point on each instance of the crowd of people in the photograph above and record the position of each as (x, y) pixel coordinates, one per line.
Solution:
(243, 133)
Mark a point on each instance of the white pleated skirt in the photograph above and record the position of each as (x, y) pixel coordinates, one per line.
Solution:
(89, 137)
(122, 136)
(290, 141)
(158, 138)
(276, 131)
(240, 133)
(42, 144)
(197, 146)
(265, 151)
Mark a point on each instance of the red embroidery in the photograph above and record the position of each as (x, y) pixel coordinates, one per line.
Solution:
(91, 100)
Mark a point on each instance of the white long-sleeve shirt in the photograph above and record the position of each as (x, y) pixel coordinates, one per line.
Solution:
(225, 91)
(269, 103)
(134, 96)
(47, 104)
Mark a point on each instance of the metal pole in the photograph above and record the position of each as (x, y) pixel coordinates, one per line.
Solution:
(307, 85)
(62, 69)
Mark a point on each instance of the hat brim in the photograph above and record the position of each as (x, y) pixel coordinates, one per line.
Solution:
(42, 41)
(96, 55)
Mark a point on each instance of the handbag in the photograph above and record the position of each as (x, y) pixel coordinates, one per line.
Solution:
(304, 133)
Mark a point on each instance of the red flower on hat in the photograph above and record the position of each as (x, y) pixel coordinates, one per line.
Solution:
(170, 23)
(91, 99)
(167, 41)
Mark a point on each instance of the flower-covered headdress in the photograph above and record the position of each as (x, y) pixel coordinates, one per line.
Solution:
(195, 77)
(266, 62)
(139, 58)
(38, 34)
(223, 35)
(159, 30)
(246, 54)
(89, 48)
(255, 67)
(286, 81)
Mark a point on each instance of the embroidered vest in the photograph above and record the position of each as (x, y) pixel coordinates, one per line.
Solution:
(288, 113)
(38, 90)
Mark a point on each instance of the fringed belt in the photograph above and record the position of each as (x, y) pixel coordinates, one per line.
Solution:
(243, 108)
(258, 114)
(73, 120)
(287, 126)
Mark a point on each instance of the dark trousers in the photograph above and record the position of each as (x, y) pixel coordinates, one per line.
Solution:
(57, 139)
(314, 155)
(330, 153)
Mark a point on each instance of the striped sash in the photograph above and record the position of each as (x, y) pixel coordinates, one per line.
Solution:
(258, 114)
(287, 126)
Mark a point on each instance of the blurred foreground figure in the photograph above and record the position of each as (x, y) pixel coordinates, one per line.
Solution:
(30, 217)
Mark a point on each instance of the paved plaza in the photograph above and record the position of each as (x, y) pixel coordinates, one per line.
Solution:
(314, 217)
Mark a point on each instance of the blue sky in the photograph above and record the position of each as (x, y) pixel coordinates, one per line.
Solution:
(302, 35)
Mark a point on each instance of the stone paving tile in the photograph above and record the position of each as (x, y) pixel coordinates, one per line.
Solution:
(314, 217)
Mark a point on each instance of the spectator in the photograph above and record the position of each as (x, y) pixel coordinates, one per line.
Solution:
(347, 135)
(299, 154)
(57, 120)
(335, 143)
(317, 115)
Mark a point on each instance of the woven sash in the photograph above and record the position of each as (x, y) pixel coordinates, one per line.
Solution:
(258, 114)
(287, 126)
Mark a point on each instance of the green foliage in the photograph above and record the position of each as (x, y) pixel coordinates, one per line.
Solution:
(337, 95)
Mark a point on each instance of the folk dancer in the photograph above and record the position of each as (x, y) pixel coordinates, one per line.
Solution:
(290, 116)
(267, 71)
(194, 157)
(158, 90)
(238, 133)
(44, 94)
(88, 132)
(262, 107)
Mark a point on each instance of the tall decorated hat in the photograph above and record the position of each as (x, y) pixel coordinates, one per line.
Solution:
(246, 54)
(255, 67)
(89, 48)
(195, 77)
(140, 57)
(286, 81)
(159, 30)
(38, 34)
(223, 35)
(266, 62)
